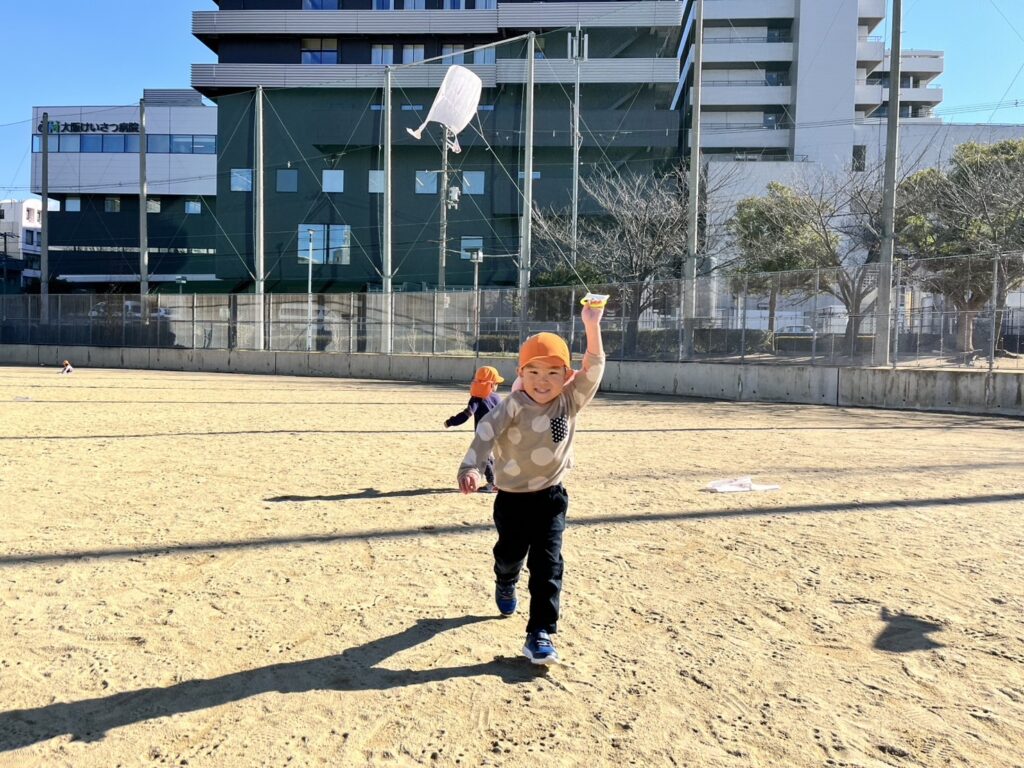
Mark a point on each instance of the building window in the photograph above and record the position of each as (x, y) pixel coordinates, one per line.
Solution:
(320, 5)
(776, 78)
(426, 182)
(535, 174)
(384, 5)
(241, 179)
(538, 48)
(860, 157)
(415, 5)
(70, 142)
(112, 205)
(331, 244)
(485, 108)
(470, 244)
(131, 142)
(153, 205)
(485, 56)
(193, 207)
(92, 142)
(473, 182)
(181, 144)
(113, 143)
(204, 145)
(486, 5)
(412, 107)
(375, 182)
(412, 53)
(319, 50)
(453, 54)
(288, 180)
(158, 143)
(72, 205)
(334, 181)
(382, 54)
(453, 5)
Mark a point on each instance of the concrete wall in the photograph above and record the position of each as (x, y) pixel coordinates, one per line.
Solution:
(961, 391)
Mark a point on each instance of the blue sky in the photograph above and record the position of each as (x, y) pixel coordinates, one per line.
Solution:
(72, 52)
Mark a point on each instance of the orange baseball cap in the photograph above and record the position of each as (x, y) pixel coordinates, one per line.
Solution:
(547, 347)
(486, 377)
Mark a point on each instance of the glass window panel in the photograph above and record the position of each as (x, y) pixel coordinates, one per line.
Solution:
(382, 54)
(112, 205)
(468, 244)
(473, 182)
(334, 181)
(288, 180)
(72, 204)
(412, 53)
(181, 144)
(53, 142)
(535, 174)
(131, 142)
(383, 5)
(153, 205)
(453, 5)
(426, 182)
(204, 145)
(485, 56)
(339, 244)
(37, 142)
(158, 143)
(241, 179)
(70, 142)
(454, 54)
(113, 143)
(415, 5)
(310, 241)
(91, 142)
(375, 179)
(193, 207)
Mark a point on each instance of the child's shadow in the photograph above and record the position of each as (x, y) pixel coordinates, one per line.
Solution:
(352, 670)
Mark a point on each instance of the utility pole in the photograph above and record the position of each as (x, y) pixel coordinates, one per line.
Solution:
(143, 210)
(527, 220)
(688, 294)
(579, 54)
(883, 303)
(44, 219)
(386, 233)
(257, 216)
(5, 235)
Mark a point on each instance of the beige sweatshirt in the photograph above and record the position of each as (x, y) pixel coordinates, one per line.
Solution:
(532, 443)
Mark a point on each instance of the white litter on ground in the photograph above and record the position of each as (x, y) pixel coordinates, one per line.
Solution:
(738, 485)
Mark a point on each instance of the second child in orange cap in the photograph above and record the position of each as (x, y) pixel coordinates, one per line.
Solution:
(482, 400)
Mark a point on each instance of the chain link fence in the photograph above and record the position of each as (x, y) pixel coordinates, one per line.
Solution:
(961, 311)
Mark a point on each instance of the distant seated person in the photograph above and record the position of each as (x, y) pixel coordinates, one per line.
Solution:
(67, 368)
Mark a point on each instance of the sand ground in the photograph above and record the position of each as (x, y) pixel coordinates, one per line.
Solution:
(217, 570)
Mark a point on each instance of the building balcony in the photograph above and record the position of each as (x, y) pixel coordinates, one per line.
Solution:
(220, 77)
(870, 12)
(870, 52)
(749, 10)
(635, 71)
(210, 25)
(916, 95)
(745, 93)
(598, 128)
(867, 96)
(645, 13)
(742, 136)
(928, 64)
(745, 50)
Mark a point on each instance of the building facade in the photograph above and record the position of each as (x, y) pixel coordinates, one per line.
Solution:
(93, 180)
(321, 65)
(20, 235)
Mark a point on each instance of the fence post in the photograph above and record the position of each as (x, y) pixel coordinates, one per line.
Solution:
(814, 316)
(993, 336)
(60, 315)
(894, 323)
(193, 321)
(743, 321)
(351, 323)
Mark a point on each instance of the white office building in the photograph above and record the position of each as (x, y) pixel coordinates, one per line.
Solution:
(20, 237)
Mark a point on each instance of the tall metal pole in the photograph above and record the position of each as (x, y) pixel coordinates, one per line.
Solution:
(309, 294)
(577, 53)
(386, 234)
(44, 221)
(527, 219)
(257, 217)
(143, 210)
(883, 309)
(689, 292)
(442, 248)
(478, 256)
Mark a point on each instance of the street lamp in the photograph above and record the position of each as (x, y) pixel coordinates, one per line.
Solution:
(476, 255)
(309, 294)
(180, 280)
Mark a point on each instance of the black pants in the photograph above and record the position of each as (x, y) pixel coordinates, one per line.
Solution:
(530, 527)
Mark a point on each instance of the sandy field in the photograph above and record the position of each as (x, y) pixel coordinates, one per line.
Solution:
(218, 570)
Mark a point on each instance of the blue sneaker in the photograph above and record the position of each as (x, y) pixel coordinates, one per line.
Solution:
(539, 648)
(505, 597)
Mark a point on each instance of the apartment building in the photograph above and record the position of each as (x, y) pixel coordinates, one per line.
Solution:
(20, 223)
(321, 65)
(93, 184)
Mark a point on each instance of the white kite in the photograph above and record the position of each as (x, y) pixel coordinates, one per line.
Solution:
(455, 104)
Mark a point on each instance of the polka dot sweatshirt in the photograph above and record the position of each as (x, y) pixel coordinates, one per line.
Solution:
(532, 443)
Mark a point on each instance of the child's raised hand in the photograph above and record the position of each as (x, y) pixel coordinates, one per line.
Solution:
(592, 313)
(469, 483)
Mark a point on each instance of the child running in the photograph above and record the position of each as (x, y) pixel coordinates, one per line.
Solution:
(531, 435)
(482, 400)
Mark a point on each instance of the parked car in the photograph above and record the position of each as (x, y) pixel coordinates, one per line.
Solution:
(796, 330)
(102, 310)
